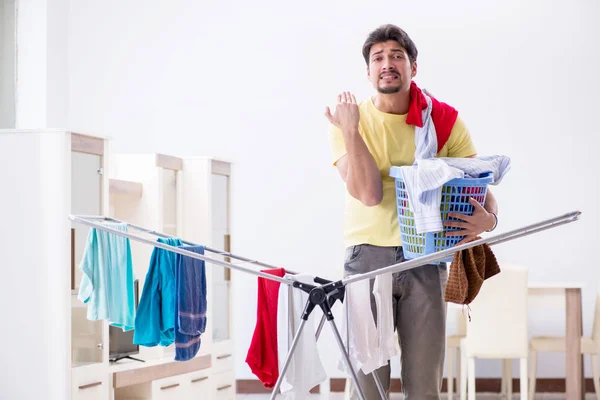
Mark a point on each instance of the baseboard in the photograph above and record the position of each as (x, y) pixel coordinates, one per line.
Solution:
(254, 386)
(484, 385)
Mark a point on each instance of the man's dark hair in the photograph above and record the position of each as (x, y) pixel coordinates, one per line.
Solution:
(390, 32)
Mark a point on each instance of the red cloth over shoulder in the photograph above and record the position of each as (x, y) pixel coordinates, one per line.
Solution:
(443, 115)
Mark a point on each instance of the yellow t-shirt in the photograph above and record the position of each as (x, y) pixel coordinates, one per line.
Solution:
(392, 143)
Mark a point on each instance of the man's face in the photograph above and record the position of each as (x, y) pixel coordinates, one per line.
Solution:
(390, 69)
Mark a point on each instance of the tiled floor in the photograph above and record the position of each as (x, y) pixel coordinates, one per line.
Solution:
(395, 396)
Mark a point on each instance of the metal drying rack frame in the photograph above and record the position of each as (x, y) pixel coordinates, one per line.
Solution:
(326, 293)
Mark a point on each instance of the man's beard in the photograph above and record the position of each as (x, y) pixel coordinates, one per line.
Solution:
(391, 89)
(388, 90)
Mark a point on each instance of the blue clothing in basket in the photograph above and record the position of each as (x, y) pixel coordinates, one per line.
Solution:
(190, 316)
(154, 324)
(107, 282)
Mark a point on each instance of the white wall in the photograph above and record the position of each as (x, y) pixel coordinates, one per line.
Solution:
(57, 44)
(31, 64)
(42, 74)
(3, 74)
(7, 64)
(250, 83)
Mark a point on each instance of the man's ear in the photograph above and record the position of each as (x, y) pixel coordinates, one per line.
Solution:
(413, 69)
(368, 73)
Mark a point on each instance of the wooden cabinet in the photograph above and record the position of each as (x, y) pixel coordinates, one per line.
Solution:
(189, 198)
(62, 173)
(89, 338)
(164, 380)
(90, 383)
(171, 388)
(146, 191)
(200, 385)
(195, 385)
(89, 184)
(221, 239)
(224, 388)
(207, 185)
(223, 361)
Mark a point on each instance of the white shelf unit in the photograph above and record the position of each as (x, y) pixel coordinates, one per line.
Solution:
(209, 208)
(47, 175)
(163, 380)
(50, 174)
(187, 198)
(89, 196)
(146, 191)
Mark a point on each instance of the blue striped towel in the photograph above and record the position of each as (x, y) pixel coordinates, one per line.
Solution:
(190, 303)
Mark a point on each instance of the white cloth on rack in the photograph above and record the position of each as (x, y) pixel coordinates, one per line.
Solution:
(369, 345)
(306, 369)
(359, 332)
(388, 346)
(426, 177)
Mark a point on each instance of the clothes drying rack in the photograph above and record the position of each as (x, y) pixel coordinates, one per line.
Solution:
(326, 292)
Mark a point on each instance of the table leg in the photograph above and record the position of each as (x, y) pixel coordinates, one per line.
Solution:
(574, 358)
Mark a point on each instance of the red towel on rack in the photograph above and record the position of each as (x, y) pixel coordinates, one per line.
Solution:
(443, 115)
(262, 355)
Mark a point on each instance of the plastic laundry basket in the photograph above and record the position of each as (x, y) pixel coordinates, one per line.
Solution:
(455, 198)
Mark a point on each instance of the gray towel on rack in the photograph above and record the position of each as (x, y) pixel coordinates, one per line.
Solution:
(190, 314)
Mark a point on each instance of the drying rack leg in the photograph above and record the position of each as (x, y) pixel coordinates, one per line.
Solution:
(324, 298)
(342, 349)
(288, 359)
(382, 391)
(320, 328)
(347, 359)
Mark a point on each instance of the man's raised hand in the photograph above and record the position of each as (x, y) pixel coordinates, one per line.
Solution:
(346, 115)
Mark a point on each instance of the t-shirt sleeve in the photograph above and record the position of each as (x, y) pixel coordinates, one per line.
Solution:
(336, 143)
(460, 144)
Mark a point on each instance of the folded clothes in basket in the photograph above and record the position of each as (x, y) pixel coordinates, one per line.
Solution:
(424, 181)
(426, 177)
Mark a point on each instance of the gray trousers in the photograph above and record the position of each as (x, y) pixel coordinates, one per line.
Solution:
(419, 318)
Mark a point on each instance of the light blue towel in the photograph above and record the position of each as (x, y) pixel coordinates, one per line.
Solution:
(154, 324)
(107, 282)
(190, 318)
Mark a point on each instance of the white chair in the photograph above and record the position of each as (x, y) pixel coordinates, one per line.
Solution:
(506, 382)
(452, 347)
(589, 345)
(498, 327)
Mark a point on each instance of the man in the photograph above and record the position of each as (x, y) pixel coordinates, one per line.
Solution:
(367, 139)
